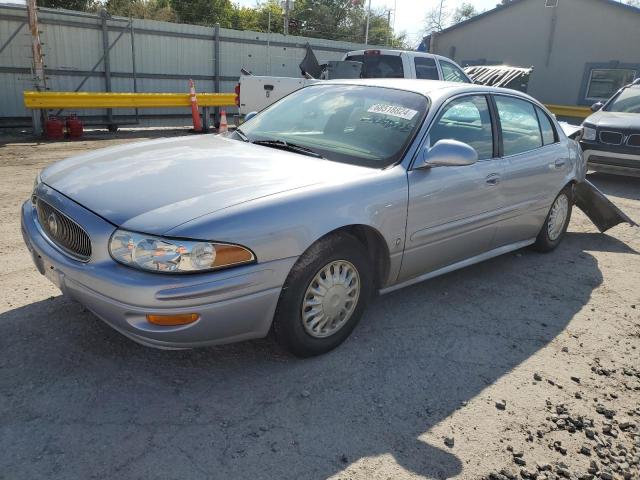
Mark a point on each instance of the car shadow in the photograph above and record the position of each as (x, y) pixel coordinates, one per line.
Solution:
(77, 400)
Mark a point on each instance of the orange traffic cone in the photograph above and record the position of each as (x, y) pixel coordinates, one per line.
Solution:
(224, 127)
(195, 113)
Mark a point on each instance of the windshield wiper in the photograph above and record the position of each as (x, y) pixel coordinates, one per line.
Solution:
(292, 147)
(242, 135)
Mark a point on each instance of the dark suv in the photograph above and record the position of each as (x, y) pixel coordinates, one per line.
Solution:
(610, 137)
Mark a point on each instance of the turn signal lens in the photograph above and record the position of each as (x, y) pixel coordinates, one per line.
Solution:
(231, 255)
(173, 320)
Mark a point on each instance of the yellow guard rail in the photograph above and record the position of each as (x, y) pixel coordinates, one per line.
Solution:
(569, 111)
(79, 100)
(76, 100)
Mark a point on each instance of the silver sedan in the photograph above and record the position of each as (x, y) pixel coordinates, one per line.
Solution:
(291, 223)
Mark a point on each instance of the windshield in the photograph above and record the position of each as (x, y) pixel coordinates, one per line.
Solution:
(361, 125)
(627, 101)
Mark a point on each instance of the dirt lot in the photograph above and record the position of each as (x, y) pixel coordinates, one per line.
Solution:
(515, 365)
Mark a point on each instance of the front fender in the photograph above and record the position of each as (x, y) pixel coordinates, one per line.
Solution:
(285, 225)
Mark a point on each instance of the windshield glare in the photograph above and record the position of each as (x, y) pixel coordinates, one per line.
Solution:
(627, 101)
(369, 126)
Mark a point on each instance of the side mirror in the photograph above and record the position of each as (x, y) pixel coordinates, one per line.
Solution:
(448, 153)
(249, 116)
(596, 106)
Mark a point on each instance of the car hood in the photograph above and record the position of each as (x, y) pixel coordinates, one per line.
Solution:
(157, 185)
(617, 120)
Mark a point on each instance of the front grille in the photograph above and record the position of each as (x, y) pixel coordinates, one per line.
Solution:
(63, 231)
(634, 140)
(611, 138)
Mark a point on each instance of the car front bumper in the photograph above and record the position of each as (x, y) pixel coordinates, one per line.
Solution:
(234, 305)
(612, 161)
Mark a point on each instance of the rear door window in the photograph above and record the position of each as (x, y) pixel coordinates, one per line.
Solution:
(520, 130)
(452, 73)
(426, 68)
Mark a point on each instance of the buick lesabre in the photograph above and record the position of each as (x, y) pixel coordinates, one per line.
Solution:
(291, 223)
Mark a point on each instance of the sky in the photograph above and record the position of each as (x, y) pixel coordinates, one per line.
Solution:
(410, 14)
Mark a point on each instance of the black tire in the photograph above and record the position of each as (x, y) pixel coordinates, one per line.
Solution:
(288, 325)
(544, 243)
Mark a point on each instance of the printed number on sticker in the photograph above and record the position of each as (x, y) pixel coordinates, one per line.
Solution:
(393, 110)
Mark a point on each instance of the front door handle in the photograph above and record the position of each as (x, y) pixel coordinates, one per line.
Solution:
(560, 163)
(493, 179)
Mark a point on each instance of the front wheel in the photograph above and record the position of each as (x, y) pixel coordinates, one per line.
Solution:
(555, 226)
(324, 296)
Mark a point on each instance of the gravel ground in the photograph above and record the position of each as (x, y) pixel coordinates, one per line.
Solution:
(527, 365)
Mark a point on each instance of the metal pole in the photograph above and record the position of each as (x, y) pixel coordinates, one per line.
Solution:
(133, 64)
(366, 31)
(395, 9)
(286, 17)
(39, 78)
(388, 26)
(216, 66)
(269, 43)
(107, 64)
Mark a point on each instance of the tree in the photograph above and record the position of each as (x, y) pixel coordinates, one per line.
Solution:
(437, 18)
(82, 5)
(204, 12)
(148, 9)
(464, 12)
(634, 3)
(331, 19)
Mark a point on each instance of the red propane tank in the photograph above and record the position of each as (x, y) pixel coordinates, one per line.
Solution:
(74, 126)
(54, 128)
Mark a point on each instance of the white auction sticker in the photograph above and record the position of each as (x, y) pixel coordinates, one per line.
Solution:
(393, 110)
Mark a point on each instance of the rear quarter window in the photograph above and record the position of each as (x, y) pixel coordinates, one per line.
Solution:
(549, 134)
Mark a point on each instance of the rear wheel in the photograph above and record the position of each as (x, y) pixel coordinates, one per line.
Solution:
(555, 226)
(324, 296)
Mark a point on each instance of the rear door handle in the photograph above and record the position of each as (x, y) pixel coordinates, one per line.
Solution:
(493, 179)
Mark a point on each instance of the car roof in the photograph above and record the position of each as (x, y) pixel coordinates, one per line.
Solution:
(389, 51)
(429, 88)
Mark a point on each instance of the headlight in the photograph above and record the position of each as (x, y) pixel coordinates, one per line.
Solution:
(588, 133)
(36, 181)
(170, 255)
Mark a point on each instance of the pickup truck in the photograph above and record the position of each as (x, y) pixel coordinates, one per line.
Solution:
(258, 92)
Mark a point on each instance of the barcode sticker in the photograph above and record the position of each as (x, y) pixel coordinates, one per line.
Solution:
(393, 110)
